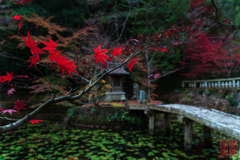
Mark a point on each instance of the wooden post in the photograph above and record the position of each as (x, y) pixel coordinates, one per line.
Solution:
(188, 134)
(167, 123)
(207, 137)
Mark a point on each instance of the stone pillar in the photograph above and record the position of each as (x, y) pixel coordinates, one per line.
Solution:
(188, 134)
(145, 102)
(142, 96)
(135, 91)
(207, 137)
(167, 123)
(151, 124)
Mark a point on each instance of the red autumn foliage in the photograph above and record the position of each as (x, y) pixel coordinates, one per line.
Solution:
(205, 57)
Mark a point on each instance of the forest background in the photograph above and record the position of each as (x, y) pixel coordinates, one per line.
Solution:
(80, 25)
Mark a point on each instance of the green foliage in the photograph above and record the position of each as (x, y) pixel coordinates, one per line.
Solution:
(186, 91)
(67, 13)
(72, 17)
(123, 116)
(200, 91)
(29, 10)
(4, 2)
(72, 112)
(225, 93)
(228, 9)
(150, 21)
(232, 100)
(211, 91)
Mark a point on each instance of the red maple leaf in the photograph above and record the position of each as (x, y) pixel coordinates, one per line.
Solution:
(20, 25)
(16, 17)
(2, 103)
(100, 55)
(19, 105)
(1, 108)
(130, 65)
(161, 49)
(9, 111)
(50, 46)
(35, 121)
(150, 76)
(32, 45)
(66, 65)
(33, 60)
(117, 51)
(10, 91)
(8, 77)
(54, 55)
(156, 75)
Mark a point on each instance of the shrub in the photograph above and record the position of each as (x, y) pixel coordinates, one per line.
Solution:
(200, 91)
(211, 91)
(225, 92)
(232, 100)
(124, 116)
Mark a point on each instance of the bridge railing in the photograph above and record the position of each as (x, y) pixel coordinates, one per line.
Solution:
(213, 83)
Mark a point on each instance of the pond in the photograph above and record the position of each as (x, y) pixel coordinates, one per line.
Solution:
(51, 140)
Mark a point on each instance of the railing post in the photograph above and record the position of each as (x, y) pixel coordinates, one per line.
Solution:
(207, 137)
(167, 123)
(205, 84)
(188, 134)
(219, 84)
(183, 84)
(234, 83)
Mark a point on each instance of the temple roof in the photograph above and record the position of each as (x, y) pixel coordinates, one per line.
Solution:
(118, 71)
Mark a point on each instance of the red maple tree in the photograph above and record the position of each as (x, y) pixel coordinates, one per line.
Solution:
(206, 57)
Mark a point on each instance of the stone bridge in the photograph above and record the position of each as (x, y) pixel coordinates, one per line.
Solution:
(210, 118)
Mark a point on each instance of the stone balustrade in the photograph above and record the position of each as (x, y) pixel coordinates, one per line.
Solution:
(213, 83)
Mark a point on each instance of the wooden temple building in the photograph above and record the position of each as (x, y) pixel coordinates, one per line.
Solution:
(114, 79)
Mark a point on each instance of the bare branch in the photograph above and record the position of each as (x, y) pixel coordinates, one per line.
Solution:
(167, 74)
